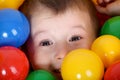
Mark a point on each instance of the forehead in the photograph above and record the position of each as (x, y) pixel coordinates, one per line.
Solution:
(50, 20)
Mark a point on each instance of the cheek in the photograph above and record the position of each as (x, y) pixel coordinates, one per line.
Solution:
(89, 42)
(84, 43)
(40, 60)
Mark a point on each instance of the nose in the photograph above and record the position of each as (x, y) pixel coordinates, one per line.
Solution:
(61, 54)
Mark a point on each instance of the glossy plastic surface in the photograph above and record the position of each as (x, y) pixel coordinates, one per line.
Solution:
(13, 4)
(14, 64)
(113, 72)
(108, 49)
(14, 28)
(111, 27)
(82, 64)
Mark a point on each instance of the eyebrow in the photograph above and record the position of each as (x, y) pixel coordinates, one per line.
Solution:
(79, 26)
(39, 32)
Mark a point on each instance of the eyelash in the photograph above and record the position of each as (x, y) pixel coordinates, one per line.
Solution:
(75, 38)
(46, 43)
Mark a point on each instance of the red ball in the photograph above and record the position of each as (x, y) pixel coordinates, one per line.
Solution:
(113, 72)
(14, 64)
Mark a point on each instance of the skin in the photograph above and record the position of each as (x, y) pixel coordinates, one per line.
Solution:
(112, 7)
(53, 36)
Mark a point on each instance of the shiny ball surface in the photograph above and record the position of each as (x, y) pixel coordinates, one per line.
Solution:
(14, 28)
(111, 27)
(14, 64)
(113, 72)
(108, 49)
(82, 64)
(13, 4)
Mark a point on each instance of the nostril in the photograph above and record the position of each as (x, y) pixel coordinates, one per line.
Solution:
(61, 54)
(59, 58)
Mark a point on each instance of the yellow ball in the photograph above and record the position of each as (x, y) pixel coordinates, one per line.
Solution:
(82, 64)
(108, 48)
(14, 4)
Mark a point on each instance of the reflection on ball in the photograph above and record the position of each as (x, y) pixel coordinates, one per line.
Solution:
(14, 28)
(14, 64)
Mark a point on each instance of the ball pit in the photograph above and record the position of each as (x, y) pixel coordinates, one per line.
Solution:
(12, 59)
(14, 31)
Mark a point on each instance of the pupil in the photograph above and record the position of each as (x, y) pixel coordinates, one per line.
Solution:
(75, 38)
(46, 43)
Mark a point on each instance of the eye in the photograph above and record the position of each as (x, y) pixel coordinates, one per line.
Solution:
(75, 38)
(46, 43)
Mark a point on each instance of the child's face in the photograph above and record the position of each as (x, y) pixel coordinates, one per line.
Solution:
(53, 36)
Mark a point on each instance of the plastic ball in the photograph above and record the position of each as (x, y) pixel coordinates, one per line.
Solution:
(111, 27)
(14, 4)
(95, 1)
(40, 75)
(14, 64)
(108, 48)
(113, 72)
(14, 28)
(82, 64)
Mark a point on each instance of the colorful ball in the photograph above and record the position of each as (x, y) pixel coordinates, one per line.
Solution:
(95, 2)
(40, 75)
(111, 27)
(14, 64)
(82, 64)
(14, 4)
(108, 49)
(14, 28)
(113, 72)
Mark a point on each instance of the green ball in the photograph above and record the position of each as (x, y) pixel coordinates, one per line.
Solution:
(40, 75)
(111, 27)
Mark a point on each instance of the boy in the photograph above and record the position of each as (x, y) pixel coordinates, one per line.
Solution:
(58, 27)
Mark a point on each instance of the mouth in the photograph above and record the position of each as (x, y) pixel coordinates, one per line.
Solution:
(56, 71)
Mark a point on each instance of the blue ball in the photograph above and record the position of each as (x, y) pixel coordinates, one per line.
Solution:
(14, 28)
